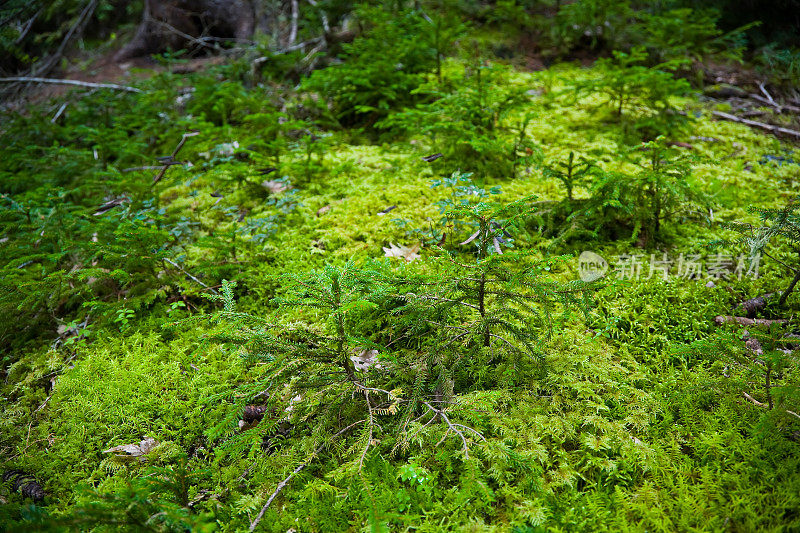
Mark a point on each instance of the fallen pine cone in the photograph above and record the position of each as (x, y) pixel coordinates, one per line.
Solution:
(25, 484)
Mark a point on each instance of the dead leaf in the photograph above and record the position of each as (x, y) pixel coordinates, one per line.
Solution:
(276, 186)
(322, 210)
(365, 360)
(471, 238)
(132, 451)
(497, 246)
(407, 253)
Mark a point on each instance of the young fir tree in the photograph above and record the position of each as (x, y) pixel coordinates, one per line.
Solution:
(477, 323)
(662, 189)
(484, 318)
(570, 173)
(318, 368)
(782, 225)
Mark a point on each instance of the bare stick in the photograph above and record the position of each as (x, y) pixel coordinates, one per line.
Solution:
(33, 79)
(169, 163)
(436, 299)
(295, 14)
(176, 265)
(199, 41)
(58, 113)
(763, 126)
(744, 321)
(26, 28)
(321, 46)
(776, 105)
(325, 24)
(755, 402)
(77, 28)
(369, 438)
(288, 49)
(454, 428)
(296, 471)
(767, 95)
(146, 167)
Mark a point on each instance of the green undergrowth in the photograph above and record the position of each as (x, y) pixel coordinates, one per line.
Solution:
(622, 418)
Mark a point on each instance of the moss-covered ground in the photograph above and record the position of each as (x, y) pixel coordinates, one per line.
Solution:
(631, 426)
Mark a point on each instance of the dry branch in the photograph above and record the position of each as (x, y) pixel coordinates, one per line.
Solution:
(744, 321)
(47, 65)
(169, 160)
(454, 428)
(753, 123)
(146, 167)
(323, 16)
(176, 265)
(773, 103)
(33, 79)
(755, 402)
(296, 471)
(59, 112)
(295, 15)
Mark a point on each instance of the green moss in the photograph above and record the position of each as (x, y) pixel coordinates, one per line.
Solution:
(619, 434)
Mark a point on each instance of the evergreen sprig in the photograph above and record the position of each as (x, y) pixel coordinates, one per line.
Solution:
(777, 224)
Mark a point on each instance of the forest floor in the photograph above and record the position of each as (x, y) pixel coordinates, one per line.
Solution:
(136, 406)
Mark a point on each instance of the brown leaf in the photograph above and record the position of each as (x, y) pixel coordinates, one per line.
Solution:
(131, 451)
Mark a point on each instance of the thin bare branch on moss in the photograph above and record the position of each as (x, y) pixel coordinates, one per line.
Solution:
(744, 321)
(59, 81)
(755, 124)
(296, 471)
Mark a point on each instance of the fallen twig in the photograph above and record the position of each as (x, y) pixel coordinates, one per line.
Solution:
(146, 167)
(47, 65)
(744, 321)
(773, 103)
(755, 402)
(176, 265)
(59, 112)
(762, 125)
(26, 27)
(454, 428)
(296, 471)
(169, 160)
(293, 30)
(767, 95)
(323, 16)
(766, 406)
(33, 79)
